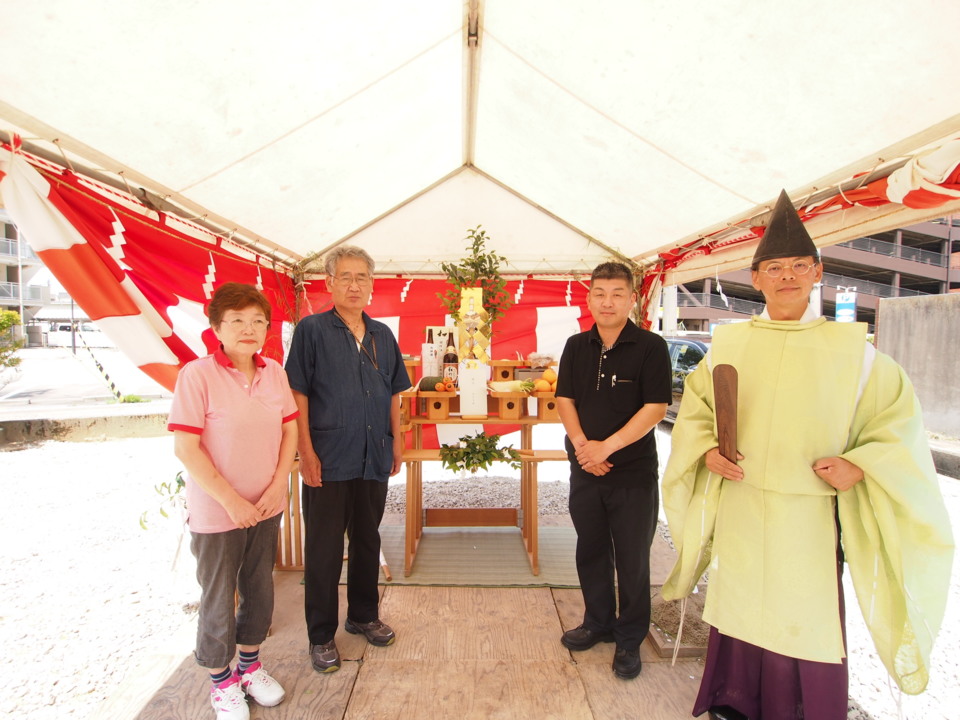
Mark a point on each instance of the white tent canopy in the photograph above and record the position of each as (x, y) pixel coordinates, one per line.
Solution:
(571, 131)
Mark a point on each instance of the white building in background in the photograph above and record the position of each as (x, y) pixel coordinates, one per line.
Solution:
(18, 264)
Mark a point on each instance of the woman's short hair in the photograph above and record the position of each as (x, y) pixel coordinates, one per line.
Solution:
(346, 251)
(235, 296)
(613, 271)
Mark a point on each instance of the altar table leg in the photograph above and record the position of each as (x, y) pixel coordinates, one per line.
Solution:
(414, 518)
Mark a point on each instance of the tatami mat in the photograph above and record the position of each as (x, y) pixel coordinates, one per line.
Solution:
(495, 557)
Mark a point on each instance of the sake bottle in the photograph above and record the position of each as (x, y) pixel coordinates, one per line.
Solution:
(451, 364)
(429, 358)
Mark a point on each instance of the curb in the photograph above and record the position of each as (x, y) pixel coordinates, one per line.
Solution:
(79, 429)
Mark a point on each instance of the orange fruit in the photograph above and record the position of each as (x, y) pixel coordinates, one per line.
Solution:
(553, 386)
(550, 375)
(540, 385)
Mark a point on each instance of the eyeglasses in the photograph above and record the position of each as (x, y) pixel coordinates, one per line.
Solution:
(800, 267)
(348, 280)
(238, 325)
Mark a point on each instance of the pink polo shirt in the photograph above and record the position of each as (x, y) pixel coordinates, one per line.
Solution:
(239, 424)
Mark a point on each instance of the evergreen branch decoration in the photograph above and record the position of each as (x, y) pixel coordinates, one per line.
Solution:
(480, 268)
(478, 452)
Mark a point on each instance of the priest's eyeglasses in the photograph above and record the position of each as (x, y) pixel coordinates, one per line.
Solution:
(349, 280)
(800, 267)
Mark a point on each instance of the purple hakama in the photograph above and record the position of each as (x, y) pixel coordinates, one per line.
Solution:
(764, 685)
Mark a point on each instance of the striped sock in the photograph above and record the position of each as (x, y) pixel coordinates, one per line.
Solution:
(247, 659)
(217, 678)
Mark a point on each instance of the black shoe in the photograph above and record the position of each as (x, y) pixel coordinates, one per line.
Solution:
(325, 658)
(377, 633)
(725, 712)
(583, 638)
(626, 663)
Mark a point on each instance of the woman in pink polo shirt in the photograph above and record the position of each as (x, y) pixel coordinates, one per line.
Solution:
(234, 423)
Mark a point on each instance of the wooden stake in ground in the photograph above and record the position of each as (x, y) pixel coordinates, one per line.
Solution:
(725, 405)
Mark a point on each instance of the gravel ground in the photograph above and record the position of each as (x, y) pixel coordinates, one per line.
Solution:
(86, 594)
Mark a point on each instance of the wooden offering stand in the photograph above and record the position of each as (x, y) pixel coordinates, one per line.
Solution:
(503, 409)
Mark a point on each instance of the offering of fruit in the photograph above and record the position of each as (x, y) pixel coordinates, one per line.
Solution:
(541, 385)
(429, 382)
(550, 375)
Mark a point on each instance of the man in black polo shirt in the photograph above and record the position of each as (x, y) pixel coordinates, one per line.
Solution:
(613, 388)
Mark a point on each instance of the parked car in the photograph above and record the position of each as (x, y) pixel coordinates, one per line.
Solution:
(686, 352)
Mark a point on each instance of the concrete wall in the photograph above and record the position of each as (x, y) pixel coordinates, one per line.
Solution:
(923, 335)
(78, 429)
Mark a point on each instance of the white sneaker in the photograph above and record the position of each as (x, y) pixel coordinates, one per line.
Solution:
(261, 687)
(228, 700)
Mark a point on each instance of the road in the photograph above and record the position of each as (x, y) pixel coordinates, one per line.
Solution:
(55, 376)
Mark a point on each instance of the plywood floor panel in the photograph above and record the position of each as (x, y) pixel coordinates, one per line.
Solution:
(151, 675)
(469, 690)
(569, 604)
(288, 633)
(310, 695)
(461, 653)
(661, 692)
(461, 623)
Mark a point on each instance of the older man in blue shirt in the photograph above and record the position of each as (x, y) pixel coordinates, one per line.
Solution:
(346, 373)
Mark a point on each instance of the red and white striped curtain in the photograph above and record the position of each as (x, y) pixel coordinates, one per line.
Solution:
(145, 277)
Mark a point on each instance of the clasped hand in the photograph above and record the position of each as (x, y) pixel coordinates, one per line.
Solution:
(592, 456)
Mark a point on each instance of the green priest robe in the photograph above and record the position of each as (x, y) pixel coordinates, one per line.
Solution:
(808, 390)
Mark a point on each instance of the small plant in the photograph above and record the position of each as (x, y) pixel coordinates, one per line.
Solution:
(171, 498)
(478, 452)
(132, 399)
(478, 269)
(8, 345)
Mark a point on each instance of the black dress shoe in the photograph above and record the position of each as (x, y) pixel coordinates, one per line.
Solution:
(626, 663)
(725, 712)
(583, 638)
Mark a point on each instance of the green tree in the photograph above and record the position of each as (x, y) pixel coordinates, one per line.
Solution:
(481, 268)
(8, 345)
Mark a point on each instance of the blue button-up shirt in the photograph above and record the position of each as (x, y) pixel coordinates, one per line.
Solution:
(349, 397)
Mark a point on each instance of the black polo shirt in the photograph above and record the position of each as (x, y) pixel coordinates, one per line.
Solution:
(609, 387)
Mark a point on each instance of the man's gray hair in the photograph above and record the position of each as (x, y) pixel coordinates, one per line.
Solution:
(346, 251)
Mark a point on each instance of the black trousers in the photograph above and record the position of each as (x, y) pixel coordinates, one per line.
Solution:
(615, 528)
(354, 507)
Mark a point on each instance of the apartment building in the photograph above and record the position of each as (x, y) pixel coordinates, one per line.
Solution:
(18, 264)
(910, 261)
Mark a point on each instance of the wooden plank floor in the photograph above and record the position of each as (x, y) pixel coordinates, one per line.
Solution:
(464, 653)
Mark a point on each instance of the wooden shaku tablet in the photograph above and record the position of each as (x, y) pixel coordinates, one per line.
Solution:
(725, 405)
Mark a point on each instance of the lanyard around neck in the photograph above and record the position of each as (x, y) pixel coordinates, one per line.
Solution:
(359, 341)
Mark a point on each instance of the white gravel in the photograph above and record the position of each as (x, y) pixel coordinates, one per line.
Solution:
(86, 594)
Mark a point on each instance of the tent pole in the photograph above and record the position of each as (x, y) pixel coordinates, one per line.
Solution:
(471, 80)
